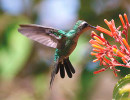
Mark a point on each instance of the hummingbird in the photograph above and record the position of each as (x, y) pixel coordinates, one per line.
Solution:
(63, 42)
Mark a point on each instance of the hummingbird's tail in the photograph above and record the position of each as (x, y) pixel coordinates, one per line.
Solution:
(62, 66)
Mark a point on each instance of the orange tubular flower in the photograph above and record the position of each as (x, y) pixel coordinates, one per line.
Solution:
(98, 40)
(103, 30)
(98, 47)
(126, 43)
(106, 53)
(95, 60)
(122, 21)
(118, 52)
(92, 53)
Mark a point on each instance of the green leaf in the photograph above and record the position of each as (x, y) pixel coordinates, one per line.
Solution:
(122, 89)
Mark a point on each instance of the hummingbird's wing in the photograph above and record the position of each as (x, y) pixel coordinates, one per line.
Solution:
(44, 35)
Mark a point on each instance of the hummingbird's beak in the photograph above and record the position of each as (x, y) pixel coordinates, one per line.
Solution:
(90, 26)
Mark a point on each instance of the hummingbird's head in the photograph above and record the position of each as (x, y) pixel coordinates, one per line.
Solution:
(83, 25)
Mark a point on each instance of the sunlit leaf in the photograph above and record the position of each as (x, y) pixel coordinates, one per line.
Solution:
(122, 89)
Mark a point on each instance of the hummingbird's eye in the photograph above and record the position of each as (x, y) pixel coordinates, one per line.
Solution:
(84, 25)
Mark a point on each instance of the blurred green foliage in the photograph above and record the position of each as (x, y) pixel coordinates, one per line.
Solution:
(14, 51)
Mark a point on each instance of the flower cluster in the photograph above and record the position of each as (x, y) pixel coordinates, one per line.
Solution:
(107, 53)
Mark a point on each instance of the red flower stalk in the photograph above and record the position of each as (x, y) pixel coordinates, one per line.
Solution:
(107, 53)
